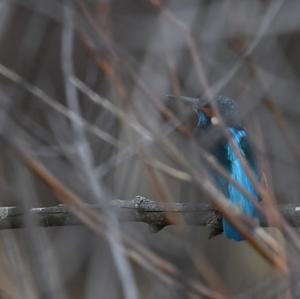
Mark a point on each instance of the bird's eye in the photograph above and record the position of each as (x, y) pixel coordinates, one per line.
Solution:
(203, 120)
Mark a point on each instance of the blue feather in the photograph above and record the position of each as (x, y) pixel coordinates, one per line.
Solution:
(239, 175)
(224, 153)
(203, 120)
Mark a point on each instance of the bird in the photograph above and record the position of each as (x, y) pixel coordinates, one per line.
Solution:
(208, 131)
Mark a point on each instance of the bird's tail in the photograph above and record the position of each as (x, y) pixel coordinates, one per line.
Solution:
(230, 232)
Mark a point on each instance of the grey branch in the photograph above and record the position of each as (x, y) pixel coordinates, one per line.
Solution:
(140, 209)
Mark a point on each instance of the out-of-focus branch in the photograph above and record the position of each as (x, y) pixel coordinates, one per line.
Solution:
(139, 209)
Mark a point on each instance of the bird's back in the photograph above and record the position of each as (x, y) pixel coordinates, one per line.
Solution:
(226, 156)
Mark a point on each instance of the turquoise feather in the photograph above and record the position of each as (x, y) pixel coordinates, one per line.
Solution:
(226, 156)
(239, 175)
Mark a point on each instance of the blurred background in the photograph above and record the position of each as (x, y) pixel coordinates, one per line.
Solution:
(82, 91)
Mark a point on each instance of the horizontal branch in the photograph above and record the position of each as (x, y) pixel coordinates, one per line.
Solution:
(140, 209)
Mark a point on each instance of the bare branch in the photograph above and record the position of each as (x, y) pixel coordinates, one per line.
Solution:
(140, 209)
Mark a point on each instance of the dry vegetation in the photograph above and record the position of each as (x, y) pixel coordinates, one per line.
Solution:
(85, 122)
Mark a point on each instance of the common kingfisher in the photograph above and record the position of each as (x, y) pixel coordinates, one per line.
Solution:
(207, 131)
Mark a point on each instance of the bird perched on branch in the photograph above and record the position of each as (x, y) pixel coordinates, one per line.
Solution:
(220, 147)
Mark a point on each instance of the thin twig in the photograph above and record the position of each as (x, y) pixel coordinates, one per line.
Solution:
(134, 250)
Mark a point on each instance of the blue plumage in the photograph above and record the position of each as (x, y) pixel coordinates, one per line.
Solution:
(212, 139)
(203, 120)
(239, 175)
(226, 156)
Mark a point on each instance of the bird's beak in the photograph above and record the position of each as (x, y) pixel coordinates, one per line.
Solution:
(195, 102)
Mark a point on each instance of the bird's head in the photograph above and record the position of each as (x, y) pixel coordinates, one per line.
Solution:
(206, 117)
